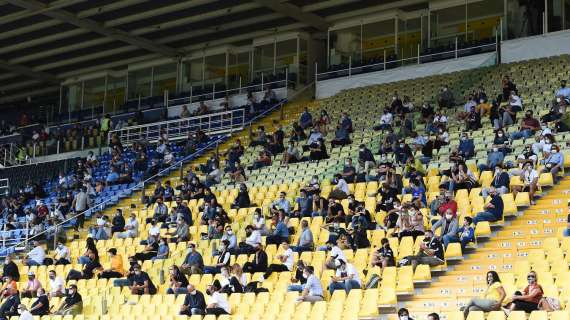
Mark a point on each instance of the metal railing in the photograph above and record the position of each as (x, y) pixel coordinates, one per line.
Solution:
(214, 123)
(22, 245)
(391, 64)
(4, 187)
(200, 97)
(8, 154)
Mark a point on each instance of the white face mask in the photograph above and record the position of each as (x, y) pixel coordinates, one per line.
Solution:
(558, 99)
(448, 216)
(554, 151)
(404, 318)
(495, 149)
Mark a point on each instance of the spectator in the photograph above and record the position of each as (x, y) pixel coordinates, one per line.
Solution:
(466, 146)
(291, 155)
(383, 257)
(563, 92)
(182, 232)
(10, 269)
(280, 204)
(403, 314)
(163, 250)
(116, 269)
(473, 120)
(449, 225)
(431, 252)
(445, 98)
(527, 300)
(260, 138)
(286, 258)
(88, 269)
(341, 190)
(102, 228)
(184, 113)
(178, 281)
(253, 237)
(90, 248)
(194, 302)
(306, 119)
(385, 120)
(500, 182)
(36, 256)
(494, 158)
(140, 283)
(529, 177)
(150, 250)
(231, 238)
(259, 262)
(313, 291)
(554, 163)
(318, 150)
(56, 285)
(131, 228)
(346, 278)
(528, 127)
(242, 200)
(304, 204)
(263, 160)
(280, 233)
(493, 210)
(32, 286)
(466, 234)
(501, 142)
(335, 254)
(491, 300)
(305, 241)
(410, 223)
(40, 307)
(341, 137)
(193, 262)
(80, 204)
(10, 305)
(218, 303)
(118, 222)
(223, 259)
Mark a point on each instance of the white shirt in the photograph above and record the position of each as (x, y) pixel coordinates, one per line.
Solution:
(254, 238)
(134, 224)
(350, 271)
(337, 252)
(516, 101)
(342, 186)
(288, 254)
(440, 119)
(26, 315)
(154, 231)
(530, 176)
(259, 223)
(314, 285)
(467, 107)
(386, 118)
(56, 285)
(37, 254)
(63, 253)
(220, 301)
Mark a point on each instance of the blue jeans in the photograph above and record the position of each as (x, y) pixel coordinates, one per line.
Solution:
(121, 282)
(83, 260)
(525, 133)
(447, 239)
(31, 262)
(346, 285)
(300, 249)
(566, 232)
(211, 269)
(181, 290)
(484, 216)
(296, 287)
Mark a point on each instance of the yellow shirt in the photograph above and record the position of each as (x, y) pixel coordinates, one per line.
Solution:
(117, 264)
(492, 292)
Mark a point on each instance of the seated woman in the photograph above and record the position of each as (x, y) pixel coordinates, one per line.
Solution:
(491, 299)
(383, 257)
(410, 223)
(263, 161)
(88, 269)
(178, 281)
(291, 155)
(150, 250)
(318, 151)
(527, 300)
(462, 178)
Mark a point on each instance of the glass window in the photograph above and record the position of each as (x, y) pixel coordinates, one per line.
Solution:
(263, 60)
(346, 44)
(239, 67)
(286, 56)
(303, 62)
(409, 37)
(378, 37)
(115, 93)
(524, 18)
(164, 79)
(555, 15)
(192, 74)
(446, 25)
(139, 83)
(215, 70)
(94, 93)
(483, 18)
(74, 96)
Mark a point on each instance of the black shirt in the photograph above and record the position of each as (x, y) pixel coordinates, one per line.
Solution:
(11, 269)
(72, 299)
(44, 309)
(435, 245)
(195, 301)
(88, 269)
(386, 252)
(388, 196)
(139, 279)
(181, 279)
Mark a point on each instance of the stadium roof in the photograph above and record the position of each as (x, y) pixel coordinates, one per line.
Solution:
(44, 42)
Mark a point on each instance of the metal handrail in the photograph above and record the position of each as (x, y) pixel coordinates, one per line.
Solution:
(416, 58)
(185, 125)
(139, 185)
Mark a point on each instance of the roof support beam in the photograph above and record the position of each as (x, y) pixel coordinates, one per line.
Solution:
(28, 72)
(97, 27)
(28, 13)
(296, 13)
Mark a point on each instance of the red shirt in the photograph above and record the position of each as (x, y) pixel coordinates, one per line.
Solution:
(448, 205)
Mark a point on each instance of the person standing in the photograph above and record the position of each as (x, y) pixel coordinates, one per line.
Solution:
(80, 204)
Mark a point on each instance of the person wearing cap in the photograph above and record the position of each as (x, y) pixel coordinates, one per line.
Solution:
(24, 313)
(40, 307)
(32, 286)
(56, 285)
(116, 269)
(346, 277)
(72, 304)
(193, 262)
(140, 282)
(218, 303)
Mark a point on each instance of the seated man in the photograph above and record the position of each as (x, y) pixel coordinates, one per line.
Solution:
(500, 182)
(32, 286)
(528, 127)
(280, 204)
(346, 277)
(466, 146)
(40, 307)
(194, 302)
(431, 252)
(140, 282)
(286, 258)
(72, 304)
(493, 210)
(341, 137)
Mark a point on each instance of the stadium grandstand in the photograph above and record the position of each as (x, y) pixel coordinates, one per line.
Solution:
(284, 159)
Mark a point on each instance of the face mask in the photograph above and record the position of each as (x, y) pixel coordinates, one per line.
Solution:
(495, 149)
(481, 101)
(554, 151)
(209, 292)
(362, 150)
(230, 232)
(393, 98)
(403, 317)
(347, 163)
(558, 99)
(336, 225)
(500, 135)
(401, 145)
(448, 216)
(306, 276)
(52, 277)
